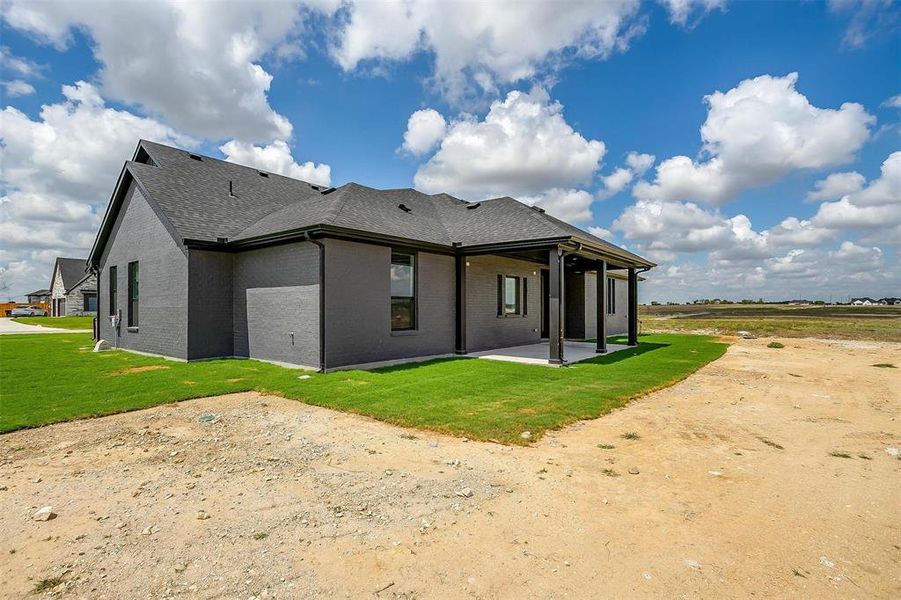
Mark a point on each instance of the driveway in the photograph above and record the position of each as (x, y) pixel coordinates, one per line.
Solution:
(8, 326)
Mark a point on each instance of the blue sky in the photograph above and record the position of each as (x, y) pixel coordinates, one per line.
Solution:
(593, 110)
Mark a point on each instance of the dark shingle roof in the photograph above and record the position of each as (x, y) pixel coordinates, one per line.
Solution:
(194, 195)
(71, 269)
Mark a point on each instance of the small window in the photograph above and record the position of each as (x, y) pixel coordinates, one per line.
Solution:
(511, 295)
(89, 301)
(611, 296)
(133, 294)
(113, 290)
(403, 291)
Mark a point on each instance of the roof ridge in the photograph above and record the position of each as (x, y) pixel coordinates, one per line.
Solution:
(340, 202)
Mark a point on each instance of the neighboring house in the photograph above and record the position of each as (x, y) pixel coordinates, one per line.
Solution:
(862, 301)
(200, 258)
(73, 289)
(890, 301)
(38, 297)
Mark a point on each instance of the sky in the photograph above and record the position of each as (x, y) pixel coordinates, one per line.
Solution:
(751, 149)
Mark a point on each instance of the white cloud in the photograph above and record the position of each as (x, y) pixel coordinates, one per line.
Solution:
(639, 163)
(837, 185)
(573, 206)
(21, 67)
(794, 232)
(477, 45)
(755, 134)
(893, 102)
(523, 147)
(601, 232)
(59, 171)
(876, 206)
(681, 10)
(636, 165)
(276, 158)
(425, 128)
(868, 18)
(196, 64)
(615, 182)
(17, 87)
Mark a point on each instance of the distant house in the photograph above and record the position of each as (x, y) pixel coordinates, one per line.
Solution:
(38, 297)
(200, 258)
(73, 290)
(890, 301)
(862, 301)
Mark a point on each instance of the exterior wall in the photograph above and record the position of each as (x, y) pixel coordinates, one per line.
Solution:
(617, 323)
(210, 304)
(75, 297)
(57, 295)
(358, 305)
(275, 294)
(577, 308)
(139, 235)
(484, 329)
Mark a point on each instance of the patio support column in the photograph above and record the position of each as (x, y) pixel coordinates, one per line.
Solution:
(555, 306)
(633, 307)
(460, 346)
(601, 306)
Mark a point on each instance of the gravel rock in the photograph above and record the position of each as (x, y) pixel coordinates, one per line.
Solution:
(44, 514)
(633, 470)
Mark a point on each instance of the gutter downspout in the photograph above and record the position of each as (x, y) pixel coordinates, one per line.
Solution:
(308, 238)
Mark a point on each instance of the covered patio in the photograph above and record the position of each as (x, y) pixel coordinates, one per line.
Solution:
(565, 317)
(539, 354)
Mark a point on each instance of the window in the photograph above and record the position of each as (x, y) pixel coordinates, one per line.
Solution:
(89, 301)
(611, 296)
(511, 295)
(133, 294)
(403, 291)
(113, 290)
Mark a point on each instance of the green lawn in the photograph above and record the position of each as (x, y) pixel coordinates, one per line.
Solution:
(55, 377)
(59, 322)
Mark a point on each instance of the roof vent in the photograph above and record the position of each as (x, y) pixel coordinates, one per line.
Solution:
(196, 157)
(231, 188)
(404, 208)
(316, 187)
(473, 206)
(537, 209)
(262, 174)
(328, 191)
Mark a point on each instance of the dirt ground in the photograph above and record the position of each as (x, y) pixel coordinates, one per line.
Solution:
(736, 494)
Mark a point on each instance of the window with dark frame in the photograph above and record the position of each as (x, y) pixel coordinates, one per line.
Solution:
(89, 301)
(403, 291)
(611, 296)
(133, 294)
(511, 295)
(113, 290)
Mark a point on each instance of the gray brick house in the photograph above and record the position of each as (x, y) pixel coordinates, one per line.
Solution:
(73, 288)
(199, 258)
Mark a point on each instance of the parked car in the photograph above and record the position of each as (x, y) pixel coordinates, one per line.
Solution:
(27, 311)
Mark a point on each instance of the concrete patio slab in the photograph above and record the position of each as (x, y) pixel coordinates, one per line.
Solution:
(537, 354)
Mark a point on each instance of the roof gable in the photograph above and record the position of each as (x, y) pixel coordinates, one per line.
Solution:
(71, 271)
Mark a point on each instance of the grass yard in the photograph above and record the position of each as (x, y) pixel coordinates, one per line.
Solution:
(879, 323)
(55, 377)
(58, 322)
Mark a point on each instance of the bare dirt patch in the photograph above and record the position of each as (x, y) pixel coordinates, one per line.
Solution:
(729, 490)
(143, 369)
